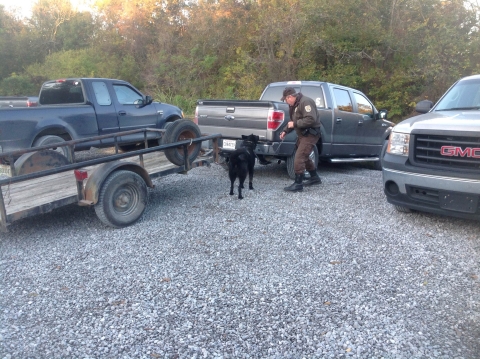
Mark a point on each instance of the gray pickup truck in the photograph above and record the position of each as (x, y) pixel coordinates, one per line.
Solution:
(79, 108)
(432, 162)
(18, 101)
(352, 128)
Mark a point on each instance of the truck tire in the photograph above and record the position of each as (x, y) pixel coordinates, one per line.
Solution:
(290, 161)
(122, 199)
(51, 140)
(181, 130)
(402, 209)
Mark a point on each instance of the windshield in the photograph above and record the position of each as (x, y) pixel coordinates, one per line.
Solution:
(465, 95)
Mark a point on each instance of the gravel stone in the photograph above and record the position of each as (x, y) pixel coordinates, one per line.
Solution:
(331, 272)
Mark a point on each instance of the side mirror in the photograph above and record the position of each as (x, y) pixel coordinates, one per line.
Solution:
(142, 103)
(382, 115)
(424, 106)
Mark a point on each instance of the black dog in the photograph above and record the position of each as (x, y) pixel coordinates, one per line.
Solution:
(240, 162)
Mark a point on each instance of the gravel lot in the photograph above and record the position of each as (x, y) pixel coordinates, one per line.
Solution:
(331, 272)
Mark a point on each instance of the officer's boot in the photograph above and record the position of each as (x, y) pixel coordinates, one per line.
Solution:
(314, 179)
(297, 185)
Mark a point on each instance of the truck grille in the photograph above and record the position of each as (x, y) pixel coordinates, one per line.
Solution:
(458, 151)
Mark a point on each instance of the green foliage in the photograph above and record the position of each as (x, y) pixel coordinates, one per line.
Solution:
(19, 85)
(397, 52)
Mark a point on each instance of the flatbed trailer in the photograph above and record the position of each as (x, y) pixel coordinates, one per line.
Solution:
(114, 184)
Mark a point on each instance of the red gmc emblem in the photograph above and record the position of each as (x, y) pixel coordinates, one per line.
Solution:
(458, 151)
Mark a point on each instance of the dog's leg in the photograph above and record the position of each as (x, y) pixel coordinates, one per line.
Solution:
(241, 178)
(232, 176)
(240, 186)
(250, 176)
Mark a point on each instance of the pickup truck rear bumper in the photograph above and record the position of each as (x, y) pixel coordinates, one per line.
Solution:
(452, 196)
(275, 149)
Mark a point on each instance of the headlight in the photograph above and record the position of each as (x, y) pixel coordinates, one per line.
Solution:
(398, 143)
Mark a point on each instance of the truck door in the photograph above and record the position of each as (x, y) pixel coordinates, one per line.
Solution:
(105, 110)
(370, 131)
(130, 116)
(345, 124)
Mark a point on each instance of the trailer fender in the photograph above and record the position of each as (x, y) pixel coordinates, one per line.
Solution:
(96, 179)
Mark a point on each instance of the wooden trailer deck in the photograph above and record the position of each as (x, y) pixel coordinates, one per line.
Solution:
(41, 192)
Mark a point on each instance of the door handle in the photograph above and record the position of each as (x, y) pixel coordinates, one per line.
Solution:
(339, 120)
(122, 113)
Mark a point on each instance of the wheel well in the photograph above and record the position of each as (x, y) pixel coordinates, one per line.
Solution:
(60, 132)
(173, 119)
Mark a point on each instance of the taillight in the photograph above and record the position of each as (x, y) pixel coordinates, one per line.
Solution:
(195, 119)
(80, 175)
(275, 119)
(31, 103)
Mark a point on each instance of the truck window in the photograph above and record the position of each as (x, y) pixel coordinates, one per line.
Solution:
(101, 93)
(343, 100)
(315, 93)
(364, 106)
(275, 93)
(126, 95)
(61, 92)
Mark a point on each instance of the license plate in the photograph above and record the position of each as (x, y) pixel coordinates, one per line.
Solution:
(229, 144)
(459, 202)
(5, 170)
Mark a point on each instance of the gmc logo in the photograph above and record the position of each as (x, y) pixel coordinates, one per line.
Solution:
(458, 151)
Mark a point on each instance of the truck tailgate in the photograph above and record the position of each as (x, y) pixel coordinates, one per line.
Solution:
(234, 118)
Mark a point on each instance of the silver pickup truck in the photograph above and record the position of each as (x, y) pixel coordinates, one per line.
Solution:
(432, 162)
(352, 128)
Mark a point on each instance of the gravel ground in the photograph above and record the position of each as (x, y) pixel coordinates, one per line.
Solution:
(331, 272)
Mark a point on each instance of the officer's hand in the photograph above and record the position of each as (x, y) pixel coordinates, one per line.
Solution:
(282, 135)
(290, 124)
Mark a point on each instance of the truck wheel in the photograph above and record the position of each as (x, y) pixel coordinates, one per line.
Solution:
(122, 199)
(290, 161)
(403, 209)
(51, 140)
(181, 130)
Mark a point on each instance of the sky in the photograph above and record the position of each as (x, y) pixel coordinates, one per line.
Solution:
(23, 8)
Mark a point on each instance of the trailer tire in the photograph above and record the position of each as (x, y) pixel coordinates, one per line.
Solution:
(122, 199)
(181, 130)
(51, 140)
(291, 159)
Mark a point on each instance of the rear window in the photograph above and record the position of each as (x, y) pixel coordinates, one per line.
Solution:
(62, 92)
(275, 93)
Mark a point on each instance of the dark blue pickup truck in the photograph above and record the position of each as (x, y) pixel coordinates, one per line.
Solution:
(78, 108)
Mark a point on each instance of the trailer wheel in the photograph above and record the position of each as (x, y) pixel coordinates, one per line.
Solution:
(122, 199)
(181, 130)
(291, 159)
(51, 140)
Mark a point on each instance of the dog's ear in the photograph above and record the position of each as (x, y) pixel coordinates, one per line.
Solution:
(244, 137)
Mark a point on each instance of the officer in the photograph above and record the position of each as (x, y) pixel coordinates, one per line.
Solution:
(305, 121)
